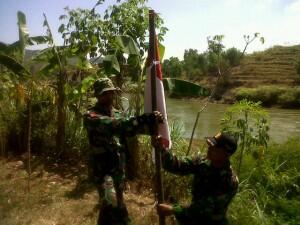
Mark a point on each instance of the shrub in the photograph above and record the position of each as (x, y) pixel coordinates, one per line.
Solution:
(290, 98)
(271, 95)
(233, 55)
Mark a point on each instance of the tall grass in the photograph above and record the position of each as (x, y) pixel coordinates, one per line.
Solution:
(270, 187)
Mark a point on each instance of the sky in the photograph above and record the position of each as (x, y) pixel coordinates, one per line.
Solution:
(190, 22)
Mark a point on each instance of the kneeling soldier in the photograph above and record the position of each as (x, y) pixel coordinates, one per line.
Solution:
(214, 184)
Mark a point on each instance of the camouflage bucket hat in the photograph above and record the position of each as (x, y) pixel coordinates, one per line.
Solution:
(102, 85)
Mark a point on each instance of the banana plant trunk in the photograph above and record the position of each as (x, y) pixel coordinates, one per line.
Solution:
(61, 114)
(29, 126)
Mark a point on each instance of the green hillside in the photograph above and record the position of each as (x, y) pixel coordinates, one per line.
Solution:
(273, 66)
(269, 76)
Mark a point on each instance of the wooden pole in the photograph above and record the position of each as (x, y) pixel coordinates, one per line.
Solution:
(152, 54)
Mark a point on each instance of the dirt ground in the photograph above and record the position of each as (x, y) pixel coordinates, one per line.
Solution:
(57, 196)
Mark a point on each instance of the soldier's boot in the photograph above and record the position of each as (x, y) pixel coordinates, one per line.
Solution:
(110, 215)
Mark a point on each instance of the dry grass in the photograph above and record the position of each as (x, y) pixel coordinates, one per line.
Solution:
(57, 200)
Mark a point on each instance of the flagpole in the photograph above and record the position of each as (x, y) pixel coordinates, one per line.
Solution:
(151, 56)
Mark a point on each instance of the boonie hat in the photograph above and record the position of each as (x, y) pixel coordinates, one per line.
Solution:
(227, 142)
(102, 85)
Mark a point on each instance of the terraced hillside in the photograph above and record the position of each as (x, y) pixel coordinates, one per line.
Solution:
(273, 66)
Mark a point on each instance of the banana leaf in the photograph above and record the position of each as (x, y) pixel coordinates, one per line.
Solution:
(127, 45)
(181, 88)
(13, 65)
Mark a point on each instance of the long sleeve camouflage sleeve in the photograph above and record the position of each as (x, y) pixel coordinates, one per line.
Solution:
(122, 126)
(212, 189)
(178, 166)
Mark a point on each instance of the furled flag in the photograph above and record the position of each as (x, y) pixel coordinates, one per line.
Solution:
(163, 128)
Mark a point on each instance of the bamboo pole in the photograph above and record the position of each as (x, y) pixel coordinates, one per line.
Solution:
(152, 49)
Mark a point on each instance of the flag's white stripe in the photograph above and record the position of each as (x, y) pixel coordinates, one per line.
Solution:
(163, 129)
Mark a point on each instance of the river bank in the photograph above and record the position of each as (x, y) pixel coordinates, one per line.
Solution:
(284, 123)
(270, 96)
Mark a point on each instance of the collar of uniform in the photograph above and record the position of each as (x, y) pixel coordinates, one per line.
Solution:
(102, 109)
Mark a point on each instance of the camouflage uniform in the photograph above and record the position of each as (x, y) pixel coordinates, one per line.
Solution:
(107, 130)
(212, 190)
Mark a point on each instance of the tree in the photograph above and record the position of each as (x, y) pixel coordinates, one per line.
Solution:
(172, 67)
(249, 39)
(12, 57)
(94, 34)
(112, 39)
(203, 63)
(191, 66)
(233, 55)
(215, 51)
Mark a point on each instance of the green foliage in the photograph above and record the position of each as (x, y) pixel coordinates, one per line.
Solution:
(190, 63)
(216, 61)
(13, 65)
(93, 33)
(76, 141)
(287, 97)
(172, 67)
(215, 44)
(175, 188)
(247, 121)
(269, 191)
(203, 63)
(233, 55)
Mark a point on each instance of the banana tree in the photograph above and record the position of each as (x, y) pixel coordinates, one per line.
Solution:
(13, 58)
(56, 61)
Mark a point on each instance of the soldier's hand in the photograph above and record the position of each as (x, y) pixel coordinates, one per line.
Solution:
(157, 142)
(151, 118)
(159, 116)
(165, 209)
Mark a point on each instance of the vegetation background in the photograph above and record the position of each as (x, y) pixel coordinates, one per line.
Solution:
(45, 93)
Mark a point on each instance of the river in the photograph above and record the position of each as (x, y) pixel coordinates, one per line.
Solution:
(283, 122)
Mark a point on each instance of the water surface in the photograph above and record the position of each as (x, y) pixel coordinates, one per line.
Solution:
(283, 122)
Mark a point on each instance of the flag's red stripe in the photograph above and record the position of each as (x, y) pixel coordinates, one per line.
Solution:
(157, 62)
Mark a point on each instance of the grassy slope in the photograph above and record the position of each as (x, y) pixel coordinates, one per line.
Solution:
(273, 66)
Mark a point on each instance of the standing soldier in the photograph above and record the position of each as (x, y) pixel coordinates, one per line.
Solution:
(107, 130)
(214, 184)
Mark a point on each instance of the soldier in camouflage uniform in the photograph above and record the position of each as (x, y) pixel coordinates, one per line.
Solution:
(107, 129)
(214, 183)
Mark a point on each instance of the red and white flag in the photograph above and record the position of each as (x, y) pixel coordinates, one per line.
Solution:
(163, 128)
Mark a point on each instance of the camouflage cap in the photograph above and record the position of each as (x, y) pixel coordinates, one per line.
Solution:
(102, 85)
(223, 140)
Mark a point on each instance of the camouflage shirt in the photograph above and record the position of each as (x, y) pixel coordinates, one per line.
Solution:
(107, 128)
(212, 189)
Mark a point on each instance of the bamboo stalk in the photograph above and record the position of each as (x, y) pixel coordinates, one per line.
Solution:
(151, 55)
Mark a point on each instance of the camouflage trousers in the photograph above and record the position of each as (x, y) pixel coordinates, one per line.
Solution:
(107, 172)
